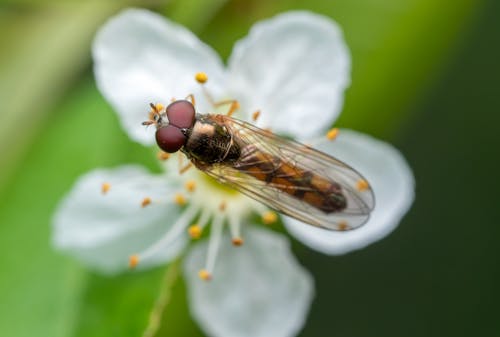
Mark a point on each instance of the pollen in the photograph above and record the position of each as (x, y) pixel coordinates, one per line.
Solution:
(269, 217)
(332, 134)
(205, 275)
(343, 226)
(256, 115)
(362, 185)
(190, 185)
(105, 187)
(222, 206)
(201, 77)
(179, 199)
(194, 231)
(163, 155)
(159, 106)
(237, 241)
(146, 201)
(133, 261)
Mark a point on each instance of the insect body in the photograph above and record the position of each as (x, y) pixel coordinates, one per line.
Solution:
(290, 177)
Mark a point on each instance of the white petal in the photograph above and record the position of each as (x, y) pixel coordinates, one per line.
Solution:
(103, 230)
(258, 289)
(294, 68)
(141, 57)
(390, 177)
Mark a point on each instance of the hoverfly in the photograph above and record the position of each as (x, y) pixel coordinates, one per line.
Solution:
(290, 177)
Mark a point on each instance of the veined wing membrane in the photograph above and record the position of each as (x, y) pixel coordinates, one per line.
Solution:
(295, 180)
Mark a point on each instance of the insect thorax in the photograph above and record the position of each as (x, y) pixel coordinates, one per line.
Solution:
(210, 142)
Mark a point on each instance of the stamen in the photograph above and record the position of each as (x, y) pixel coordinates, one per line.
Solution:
(202, 222)
(133, 261)
(201, 77)
(195, 231)
(256, 115)
(190, 185)
(214, 243)
(269, 217)
(159, 107)
(362, 185)
(163, 155)
(205, 275)
(332, 134)
(237, 241)
(171, 235)
(343, 226)
(179, 199)
(105, 188)
(234, 230)
(146, 201)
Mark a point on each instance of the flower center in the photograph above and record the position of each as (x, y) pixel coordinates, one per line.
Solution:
(205, 201)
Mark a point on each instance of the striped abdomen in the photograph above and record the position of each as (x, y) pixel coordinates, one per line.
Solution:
(304, 185)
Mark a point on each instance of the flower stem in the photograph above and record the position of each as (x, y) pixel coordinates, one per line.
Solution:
(155, 317)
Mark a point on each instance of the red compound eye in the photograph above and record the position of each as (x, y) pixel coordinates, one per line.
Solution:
(181, 114)
(170, 139)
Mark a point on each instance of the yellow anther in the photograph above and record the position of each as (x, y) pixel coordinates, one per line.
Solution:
(194, 231)
(237, 241)
(269, 217)
(343, 226)
(163, 155)
(256, 115)
(362, 185)
(146, 201)
(179, 199)
(222, 206)
(201, 77)
(332, 134)
(105, 187)
(205, 275)
(190, 185)
(133, 261)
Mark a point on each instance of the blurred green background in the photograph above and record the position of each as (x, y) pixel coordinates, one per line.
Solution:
(425, 78)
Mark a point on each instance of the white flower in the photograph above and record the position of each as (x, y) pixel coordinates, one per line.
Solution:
(294, 68)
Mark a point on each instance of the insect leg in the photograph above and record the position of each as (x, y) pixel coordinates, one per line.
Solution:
(183, 168)
(234, 105)
(190, 98)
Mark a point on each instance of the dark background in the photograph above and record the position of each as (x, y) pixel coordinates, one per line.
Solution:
(438, 273)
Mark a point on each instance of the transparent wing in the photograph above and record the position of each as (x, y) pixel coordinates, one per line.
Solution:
(294, 179)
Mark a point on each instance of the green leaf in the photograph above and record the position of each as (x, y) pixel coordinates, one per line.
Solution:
(42, 291)
(42, 54)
